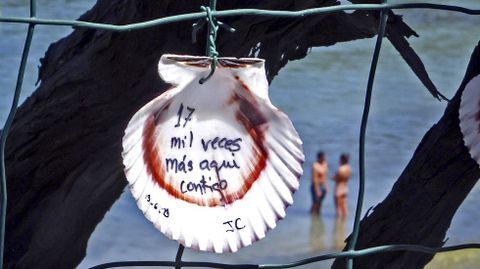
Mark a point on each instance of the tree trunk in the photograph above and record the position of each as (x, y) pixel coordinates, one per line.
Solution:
(63, 153)
(423, 201)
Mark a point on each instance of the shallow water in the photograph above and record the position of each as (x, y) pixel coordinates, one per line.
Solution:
(323, 95)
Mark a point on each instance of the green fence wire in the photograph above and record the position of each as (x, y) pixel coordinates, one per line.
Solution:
(210, 14)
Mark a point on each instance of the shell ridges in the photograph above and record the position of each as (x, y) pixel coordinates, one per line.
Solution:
(214, 165)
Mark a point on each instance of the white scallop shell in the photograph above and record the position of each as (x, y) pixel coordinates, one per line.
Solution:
(469, 115)
(212, 165)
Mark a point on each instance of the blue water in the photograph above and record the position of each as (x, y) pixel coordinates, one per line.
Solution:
(323, 95)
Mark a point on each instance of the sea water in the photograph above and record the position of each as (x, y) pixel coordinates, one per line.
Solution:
(323, 95)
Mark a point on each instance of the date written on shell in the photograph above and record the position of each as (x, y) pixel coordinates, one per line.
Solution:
(162, 210)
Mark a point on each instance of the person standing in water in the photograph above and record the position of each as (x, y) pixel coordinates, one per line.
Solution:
(319, 187)
(341, 178)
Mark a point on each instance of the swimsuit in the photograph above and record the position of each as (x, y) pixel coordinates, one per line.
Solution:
(341, 190)
(315, 198)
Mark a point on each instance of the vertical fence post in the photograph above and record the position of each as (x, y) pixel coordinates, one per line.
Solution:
(178, 258)
(8, 124)
(363, 129)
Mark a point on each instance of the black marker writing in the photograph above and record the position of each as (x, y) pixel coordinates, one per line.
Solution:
(191, 138)
(187, 118)
(179, 114)
(164, 211)
(203, 186)
(179, 165)
(231, 145)
(177, 142)
(234, 225)
(216, 166)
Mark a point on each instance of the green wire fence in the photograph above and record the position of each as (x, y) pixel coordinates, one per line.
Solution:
(210, 15)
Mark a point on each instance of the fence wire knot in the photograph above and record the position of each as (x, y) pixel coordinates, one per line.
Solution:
(213, 26)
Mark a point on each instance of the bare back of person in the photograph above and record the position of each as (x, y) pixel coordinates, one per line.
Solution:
(341, 178)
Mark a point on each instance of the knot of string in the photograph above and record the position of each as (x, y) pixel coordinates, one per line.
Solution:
(211, 48)
(213, 26)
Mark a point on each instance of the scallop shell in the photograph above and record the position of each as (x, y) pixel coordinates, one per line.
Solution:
(469, 114)
(213, 165)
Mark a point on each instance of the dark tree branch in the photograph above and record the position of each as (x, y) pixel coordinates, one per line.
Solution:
(398, 35)
(423, 201)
